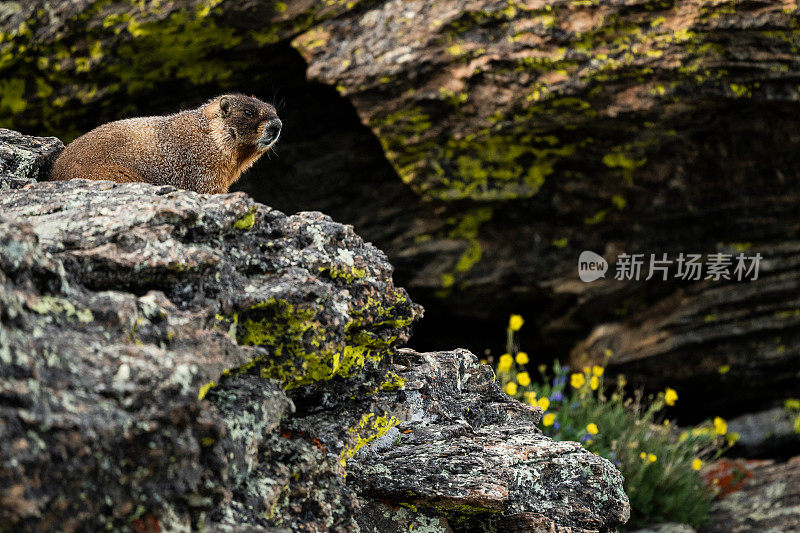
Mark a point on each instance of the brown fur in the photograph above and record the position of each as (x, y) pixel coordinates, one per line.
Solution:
(204, 149)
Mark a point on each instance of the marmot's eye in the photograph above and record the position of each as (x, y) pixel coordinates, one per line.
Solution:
(248, 113)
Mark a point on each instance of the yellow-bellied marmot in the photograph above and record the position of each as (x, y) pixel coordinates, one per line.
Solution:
(204, 149)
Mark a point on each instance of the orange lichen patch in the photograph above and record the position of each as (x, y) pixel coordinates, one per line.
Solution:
(729, 475)
(147, 524)
(319, 444)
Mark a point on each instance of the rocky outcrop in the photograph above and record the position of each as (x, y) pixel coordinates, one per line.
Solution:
(170, 360)
(730, 346)
(465, 451)
(483, 145)
(557, 127)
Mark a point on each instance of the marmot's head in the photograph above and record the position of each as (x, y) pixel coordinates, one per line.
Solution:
(245, 122)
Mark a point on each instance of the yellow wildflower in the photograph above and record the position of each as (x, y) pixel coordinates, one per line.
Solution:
(621, 380)
(505, 363)
(670, 396)
(643, 455)
(697, 464)
(597, 370)
(522, 358)
(792, 404)
(511, 388)
(544, 403)
(549, 419)
(720, 426)
(594, 382)
(577, 380)
(587, 370)
(524, 379)
(651, 457)
(592, 429)
(608, 353)
(530, 397)
(515, 322)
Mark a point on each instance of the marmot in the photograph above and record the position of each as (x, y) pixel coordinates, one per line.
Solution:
(203, 150)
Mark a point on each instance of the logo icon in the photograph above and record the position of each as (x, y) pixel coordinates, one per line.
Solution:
(591, 266)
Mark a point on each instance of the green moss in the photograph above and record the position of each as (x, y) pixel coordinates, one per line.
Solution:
(597, 218)
(302, 349)
(246, 221)
(619, 202)
(204, 390)
(369, 428)
(620, 160)
(12, 96)
(348, 274)
(392, 382)
(741, 91)
(54, 305)
(466, 228)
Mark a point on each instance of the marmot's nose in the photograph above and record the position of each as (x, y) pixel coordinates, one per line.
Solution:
(272, 130)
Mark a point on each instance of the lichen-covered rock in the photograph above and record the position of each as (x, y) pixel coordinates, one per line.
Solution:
(141, 330)
(769, 500)
(549, 128)
(501, 140)
(488, 100)
(25, 159)
(64, 61)
(175, 361)
(465, 451)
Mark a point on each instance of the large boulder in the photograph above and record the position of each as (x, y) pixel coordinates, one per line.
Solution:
(171, 360)
(466, 452)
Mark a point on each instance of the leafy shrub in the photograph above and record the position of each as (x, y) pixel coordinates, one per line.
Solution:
(661, 464)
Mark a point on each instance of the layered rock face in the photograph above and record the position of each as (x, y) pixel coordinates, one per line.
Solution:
(170, 361)
(483, 145)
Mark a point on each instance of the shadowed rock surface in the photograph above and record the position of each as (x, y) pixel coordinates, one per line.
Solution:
(768, 433)
(172, 360)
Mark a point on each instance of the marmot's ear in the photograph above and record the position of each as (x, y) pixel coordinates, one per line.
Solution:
(224, 106)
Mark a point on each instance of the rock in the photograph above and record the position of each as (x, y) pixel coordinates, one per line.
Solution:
(484, 145)
(551, 128)
(465, 449)
(768, 501)
(170, 360)
(769, 433)
(667, 527)
(123, 307)
(25, 159)
(708, 339)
